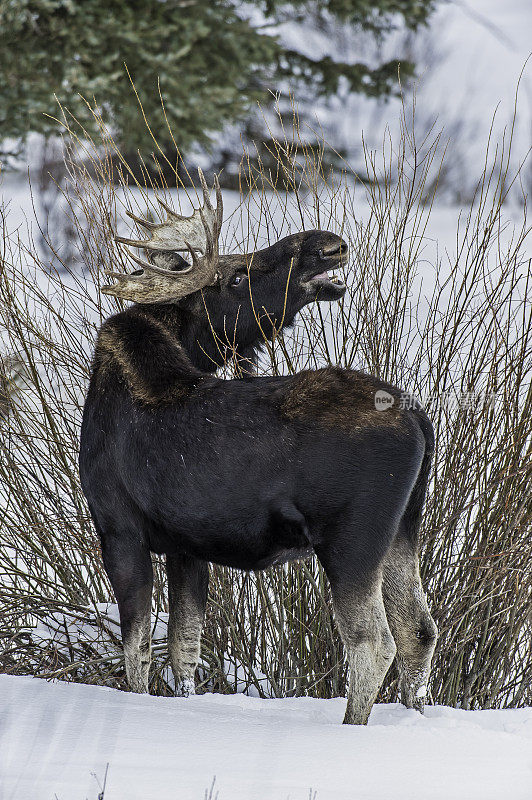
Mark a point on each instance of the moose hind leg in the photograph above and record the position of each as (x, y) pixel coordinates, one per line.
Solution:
(188, 581)
(369, 645)
(412, 626)
(130, 571)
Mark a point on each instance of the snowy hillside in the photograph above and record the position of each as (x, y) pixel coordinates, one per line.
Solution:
(56, 740)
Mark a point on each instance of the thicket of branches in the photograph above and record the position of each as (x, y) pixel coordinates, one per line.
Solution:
(457, 332)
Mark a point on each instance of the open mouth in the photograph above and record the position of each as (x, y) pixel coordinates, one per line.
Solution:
(323, 278)
(337, 254)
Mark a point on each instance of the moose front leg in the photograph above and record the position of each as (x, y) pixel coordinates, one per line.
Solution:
(188, 581)
(129, 567)
(410, 621)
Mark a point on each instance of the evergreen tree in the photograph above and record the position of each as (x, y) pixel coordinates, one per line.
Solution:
(210, 58)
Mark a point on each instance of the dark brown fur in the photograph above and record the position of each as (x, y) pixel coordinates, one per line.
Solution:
(338, 399)
(117, 355)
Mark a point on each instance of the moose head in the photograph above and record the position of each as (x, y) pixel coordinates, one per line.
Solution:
(227, 301)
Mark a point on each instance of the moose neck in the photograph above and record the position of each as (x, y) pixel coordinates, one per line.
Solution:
(167, 315)
(192, 329)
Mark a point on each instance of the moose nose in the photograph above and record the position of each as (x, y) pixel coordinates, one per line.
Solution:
(339, 249)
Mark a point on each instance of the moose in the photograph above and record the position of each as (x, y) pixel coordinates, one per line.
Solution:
(252, 471)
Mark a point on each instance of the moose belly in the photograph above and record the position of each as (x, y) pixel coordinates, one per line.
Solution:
(251, 538)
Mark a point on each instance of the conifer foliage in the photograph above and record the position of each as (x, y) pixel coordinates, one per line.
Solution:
(211, 59)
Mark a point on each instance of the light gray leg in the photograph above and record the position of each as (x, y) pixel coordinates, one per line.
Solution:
(410, 621)
(137, 653)
(188, 580)
(369, 645)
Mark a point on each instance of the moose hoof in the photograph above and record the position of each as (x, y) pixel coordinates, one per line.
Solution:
(414, 698)
(185, 687)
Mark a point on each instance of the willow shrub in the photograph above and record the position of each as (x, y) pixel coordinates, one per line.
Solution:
(457, 332)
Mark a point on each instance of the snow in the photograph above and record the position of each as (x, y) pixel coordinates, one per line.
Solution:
(56, 740)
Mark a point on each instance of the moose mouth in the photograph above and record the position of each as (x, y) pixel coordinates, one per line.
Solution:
(324, 280)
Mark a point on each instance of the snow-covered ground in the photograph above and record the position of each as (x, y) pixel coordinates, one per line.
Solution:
(439, 238)
(56, 740)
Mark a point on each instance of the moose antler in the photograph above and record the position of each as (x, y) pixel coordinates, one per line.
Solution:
(198, 233)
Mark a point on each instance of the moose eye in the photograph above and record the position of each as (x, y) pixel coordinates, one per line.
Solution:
(237, 279)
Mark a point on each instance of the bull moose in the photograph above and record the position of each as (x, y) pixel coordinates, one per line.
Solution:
(254, 471)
